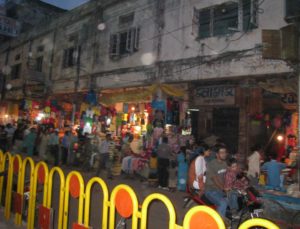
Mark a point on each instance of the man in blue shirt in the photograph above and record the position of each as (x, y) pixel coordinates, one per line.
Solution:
(273, 169)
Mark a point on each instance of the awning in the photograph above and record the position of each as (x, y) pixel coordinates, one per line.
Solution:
(139, 95)
(280, 86)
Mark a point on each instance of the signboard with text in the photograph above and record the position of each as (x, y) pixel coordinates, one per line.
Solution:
(215, 95)
(9, 27)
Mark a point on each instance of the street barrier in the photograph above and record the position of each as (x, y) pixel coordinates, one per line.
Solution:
(105, 200)
(203, 217)
(9, 183)
(122, 200)
(30, 162)
(41, 174)
(75, 187)
(45, 211)
(258, 223)
(18, 195)
(166, 201)
(2, 168)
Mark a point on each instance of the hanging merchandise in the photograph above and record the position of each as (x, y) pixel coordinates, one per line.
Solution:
(287, 118)
(159, 119)
(176, 113)
(277, 121)
(267, 120)
(292, 140)
(89, 113)
(169, 116)
(91, 98)
(159, 105)
(125, 108)
(119, 119)
(148, 108)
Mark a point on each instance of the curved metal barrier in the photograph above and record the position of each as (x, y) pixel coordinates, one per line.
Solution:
(123, 200)
(96, 180)
(166, 201)
(41, 174)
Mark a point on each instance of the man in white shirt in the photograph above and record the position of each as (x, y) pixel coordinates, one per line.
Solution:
(254, 161)
(198, 168)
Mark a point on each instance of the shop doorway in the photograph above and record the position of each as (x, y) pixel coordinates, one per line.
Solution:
(226, 126)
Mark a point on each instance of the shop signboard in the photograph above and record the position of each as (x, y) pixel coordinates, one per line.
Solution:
(9, 27)
(215, 95)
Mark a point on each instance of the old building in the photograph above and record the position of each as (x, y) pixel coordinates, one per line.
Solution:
(223, 49)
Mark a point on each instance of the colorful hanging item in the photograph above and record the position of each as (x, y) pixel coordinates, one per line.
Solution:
(91, 98)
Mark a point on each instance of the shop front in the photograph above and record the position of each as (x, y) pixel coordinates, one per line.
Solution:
(218, 114)
(147, 114)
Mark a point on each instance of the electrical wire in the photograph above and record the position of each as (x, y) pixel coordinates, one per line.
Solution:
(180, 28)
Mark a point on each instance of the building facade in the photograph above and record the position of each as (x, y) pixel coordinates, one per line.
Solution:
(223, 49)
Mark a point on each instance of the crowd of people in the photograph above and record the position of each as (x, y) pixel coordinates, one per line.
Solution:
(39, 141)
(215, 173)
(210, 170)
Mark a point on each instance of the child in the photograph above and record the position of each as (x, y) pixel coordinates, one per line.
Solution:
(153, 166)
(233, 178)
(273, 170)
(232, 185)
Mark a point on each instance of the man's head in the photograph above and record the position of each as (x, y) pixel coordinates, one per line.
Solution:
(221, 153)
(108, 136)
(273, 156)
(232, 164)
(206, 150)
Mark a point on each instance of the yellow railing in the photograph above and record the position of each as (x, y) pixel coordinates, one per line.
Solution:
(122, 200)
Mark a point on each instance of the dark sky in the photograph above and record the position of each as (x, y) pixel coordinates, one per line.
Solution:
(65, 4)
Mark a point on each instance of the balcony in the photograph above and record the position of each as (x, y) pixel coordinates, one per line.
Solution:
(35, 77)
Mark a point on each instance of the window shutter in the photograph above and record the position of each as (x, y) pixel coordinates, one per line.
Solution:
(137, 39)
(271, 44)
(254, 14)
(130, 40)
(114, 45)
(195, 22)
(65, 58)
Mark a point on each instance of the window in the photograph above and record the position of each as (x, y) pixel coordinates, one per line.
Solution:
(250, 14)
(204, 23)
(69, 57)
(40, 48)
(18, 57)
(15, 71)
(292, 9)
(39, 64)
(126, 19)
(124, 43)
(226, 18)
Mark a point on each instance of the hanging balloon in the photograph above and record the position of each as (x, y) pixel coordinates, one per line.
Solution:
(54, 103)
(47, 103)
(47, 109)
(267, 117)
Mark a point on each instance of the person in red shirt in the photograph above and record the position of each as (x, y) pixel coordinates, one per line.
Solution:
(231, 177)
(232, 184)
